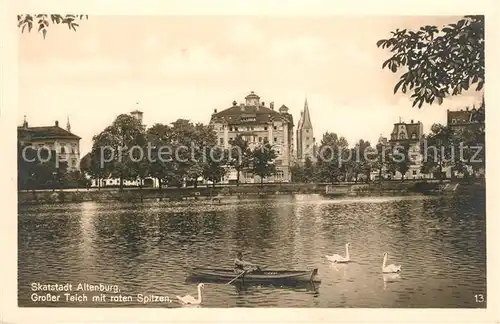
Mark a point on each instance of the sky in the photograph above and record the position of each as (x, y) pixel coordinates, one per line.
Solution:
(174, 67)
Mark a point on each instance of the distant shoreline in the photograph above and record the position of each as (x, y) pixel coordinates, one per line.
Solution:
(224, 192)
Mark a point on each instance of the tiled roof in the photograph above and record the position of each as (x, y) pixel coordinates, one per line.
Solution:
(465, 116)
(252, 95)
(238, 113)
(45, 132)
(411, 128)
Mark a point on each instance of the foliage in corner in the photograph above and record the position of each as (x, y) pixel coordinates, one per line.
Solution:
(437, 62)
(41, 22)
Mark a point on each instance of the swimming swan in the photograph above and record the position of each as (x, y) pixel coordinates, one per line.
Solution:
(391, 268)
(336, 258)
(190, 300)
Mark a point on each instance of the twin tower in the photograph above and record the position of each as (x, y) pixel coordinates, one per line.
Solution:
(305, 136)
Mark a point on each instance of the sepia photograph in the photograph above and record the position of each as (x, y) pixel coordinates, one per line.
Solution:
(257, 161)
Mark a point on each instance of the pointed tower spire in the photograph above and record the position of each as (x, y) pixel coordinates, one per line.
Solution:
(68, 125)
(307, 118)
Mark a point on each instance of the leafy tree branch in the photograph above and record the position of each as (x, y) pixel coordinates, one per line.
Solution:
(41, 22)
(437, 62)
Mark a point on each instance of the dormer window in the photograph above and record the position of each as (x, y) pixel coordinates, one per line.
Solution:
(453, 121)
(413, 135)
(402, 135)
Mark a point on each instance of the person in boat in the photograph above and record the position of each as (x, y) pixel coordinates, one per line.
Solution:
(241, 265)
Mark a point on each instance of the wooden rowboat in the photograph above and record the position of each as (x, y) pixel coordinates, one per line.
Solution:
(263, 276)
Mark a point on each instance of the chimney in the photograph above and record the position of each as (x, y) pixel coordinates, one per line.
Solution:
(215, 111)
(234, 103)
(412, 121)
(57, 123)
(271, 105)
(242, 106)
(467, 109)
(263, 104)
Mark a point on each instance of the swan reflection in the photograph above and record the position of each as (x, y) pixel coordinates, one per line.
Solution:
(339, 267)
(390, 277)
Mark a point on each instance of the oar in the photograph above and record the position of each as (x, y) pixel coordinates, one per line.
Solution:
(241, 274)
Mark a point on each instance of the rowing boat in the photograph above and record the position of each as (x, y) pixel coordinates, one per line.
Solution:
(263, 276)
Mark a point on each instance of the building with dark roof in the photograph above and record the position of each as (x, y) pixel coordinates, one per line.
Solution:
(305, 136)
(257, 124)
(62, 141)
(468, 118)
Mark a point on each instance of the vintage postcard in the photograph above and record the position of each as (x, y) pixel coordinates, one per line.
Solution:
(301, 163)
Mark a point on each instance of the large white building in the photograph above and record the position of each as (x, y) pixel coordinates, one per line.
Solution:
(257, 123)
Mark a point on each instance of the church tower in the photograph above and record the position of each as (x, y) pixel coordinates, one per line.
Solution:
(305, 136)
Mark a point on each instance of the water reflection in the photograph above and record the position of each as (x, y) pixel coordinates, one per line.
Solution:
(389, 278)
(149, 248)
(341, 268)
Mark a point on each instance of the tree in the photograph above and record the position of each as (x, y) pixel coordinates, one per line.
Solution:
(123, 146)
(40, 169)
(402, 159)
(305, 172)
(41, 22)
(216, 167)
(240, 155)
(203, 137)
(188, 142)
(438, 62)
(91, 162)
(308, 170)
(161, 165)
(361, 164)
(383, 162)
(263, 157)
(469, 149)
(76, 179)
(440, 141)
(390, 164)
(297, 173)
(333, 157)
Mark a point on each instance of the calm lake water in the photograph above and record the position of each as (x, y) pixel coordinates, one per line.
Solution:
(148, 248)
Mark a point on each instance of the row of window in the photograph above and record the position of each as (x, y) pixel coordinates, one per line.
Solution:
(261, 139)
(454, 121)
(73, 148)
(402, 135)
(248, 128)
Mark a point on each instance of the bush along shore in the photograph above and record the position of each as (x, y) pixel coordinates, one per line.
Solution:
(221, 193)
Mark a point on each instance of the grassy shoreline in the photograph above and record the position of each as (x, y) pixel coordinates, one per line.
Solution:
(221, 192)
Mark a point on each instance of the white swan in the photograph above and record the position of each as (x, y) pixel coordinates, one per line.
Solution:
(336, 258)
(391, 268)
(190, 300)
